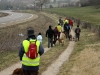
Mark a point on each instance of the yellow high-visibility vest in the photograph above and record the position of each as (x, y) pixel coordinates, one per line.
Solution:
(66, 21)
(59, 28)
(27, 61)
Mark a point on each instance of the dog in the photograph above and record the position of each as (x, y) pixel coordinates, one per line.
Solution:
(73, 39)
(18, 71)
(61, 39)
(70, 37)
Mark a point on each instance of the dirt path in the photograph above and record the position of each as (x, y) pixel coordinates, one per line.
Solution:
(53, 69)
(9, 70)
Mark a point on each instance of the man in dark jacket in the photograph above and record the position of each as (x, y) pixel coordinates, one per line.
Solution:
(77, 32)
(67, 30)
(30, 66)
(50, 34)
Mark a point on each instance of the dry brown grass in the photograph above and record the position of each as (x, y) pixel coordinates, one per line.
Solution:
(85, 60)
(10, 41)
(3, 14)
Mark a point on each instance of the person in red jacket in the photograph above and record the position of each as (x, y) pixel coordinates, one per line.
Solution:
(55, 34)
(70, 23)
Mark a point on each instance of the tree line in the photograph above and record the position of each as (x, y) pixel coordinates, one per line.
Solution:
(89, 2)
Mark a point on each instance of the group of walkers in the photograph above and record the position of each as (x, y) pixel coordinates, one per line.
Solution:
(31, 66)
(54, 34)
(63, 26)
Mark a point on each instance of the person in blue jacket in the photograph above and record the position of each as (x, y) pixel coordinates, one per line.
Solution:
(30, 66)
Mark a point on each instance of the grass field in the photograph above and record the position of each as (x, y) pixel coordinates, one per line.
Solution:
(88, 14)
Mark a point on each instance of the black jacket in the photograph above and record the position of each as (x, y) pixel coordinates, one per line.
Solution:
(50, 33)
(66, 27)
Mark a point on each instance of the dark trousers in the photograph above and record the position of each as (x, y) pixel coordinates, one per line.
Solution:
(50, 42)
(59, 34)
(77, 36)
(30, 72)
(55, 39)
(67, 34)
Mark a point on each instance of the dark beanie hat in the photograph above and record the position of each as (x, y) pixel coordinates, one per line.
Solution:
(39, 34)
(50, 27)
(30, 32)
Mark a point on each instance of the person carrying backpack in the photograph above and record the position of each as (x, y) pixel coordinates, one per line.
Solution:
(29, 53)
(77, 32)
(66, 21)
(70, 23)
(67, 30)
(50, 35)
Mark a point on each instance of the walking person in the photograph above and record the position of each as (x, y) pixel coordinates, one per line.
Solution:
(30, 66)
(70, 23)
(67, 30)
(66, 21)
(39, 37)
(55, 34)
(50, 34)
(59, 28)
(77, 32)
(60, 21)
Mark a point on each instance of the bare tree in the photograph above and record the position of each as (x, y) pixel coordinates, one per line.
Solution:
(42, 2)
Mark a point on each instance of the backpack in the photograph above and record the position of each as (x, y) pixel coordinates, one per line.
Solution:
(67, 27)
(32, 50)
(77, 30)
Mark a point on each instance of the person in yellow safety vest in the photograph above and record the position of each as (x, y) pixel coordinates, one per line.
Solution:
(66, 21)
(59, 29)
(30, 66)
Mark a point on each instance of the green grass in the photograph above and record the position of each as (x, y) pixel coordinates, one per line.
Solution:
(8, 58)
(89, 14)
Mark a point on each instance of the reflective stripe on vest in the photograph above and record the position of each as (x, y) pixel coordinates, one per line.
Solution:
(27, 61)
